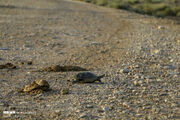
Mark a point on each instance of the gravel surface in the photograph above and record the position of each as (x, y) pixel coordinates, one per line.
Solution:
(139, 55)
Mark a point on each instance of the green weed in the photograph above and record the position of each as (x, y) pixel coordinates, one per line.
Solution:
(159, 8)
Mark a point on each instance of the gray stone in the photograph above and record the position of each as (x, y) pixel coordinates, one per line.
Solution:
(89, 106)
(84, 115)
(126, 70)
(161, 27)
(105, 108)
(4, 49)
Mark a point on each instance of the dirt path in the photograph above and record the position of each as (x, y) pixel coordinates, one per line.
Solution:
(59, 31)
(63, 32)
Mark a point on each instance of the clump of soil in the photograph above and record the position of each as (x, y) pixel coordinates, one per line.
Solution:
(58, 68)
(7, 66)
(25, 62)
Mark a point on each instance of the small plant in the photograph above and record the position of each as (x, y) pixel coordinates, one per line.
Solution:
(102, 2)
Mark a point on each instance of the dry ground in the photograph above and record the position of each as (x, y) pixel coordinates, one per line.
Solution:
(102, 40)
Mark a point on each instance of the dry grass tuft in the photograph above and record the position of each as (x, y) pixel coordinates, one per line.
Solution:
(159, 8)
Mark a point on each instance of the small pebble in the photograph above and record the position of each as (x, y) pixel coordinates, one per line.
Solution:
(83, 115)
(136, 83)
(126, 70)
(126, 104)
(89, 106)
(95, 43)
(140, 82)
(161, 27)
(105, 108)
(4, 49)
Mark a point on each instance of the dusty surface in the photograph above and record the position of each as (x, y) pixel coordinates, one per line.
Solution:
(141, 61)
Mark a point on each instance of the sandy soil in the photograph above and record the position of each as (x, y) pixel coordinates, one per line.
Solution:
(140, 56)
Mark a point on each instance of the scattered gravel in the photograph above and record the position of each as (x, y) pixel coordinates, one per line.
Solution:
(139, 55)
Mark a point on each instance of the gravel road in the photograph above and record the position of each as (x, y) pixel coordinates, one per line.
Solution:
(139, 55)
